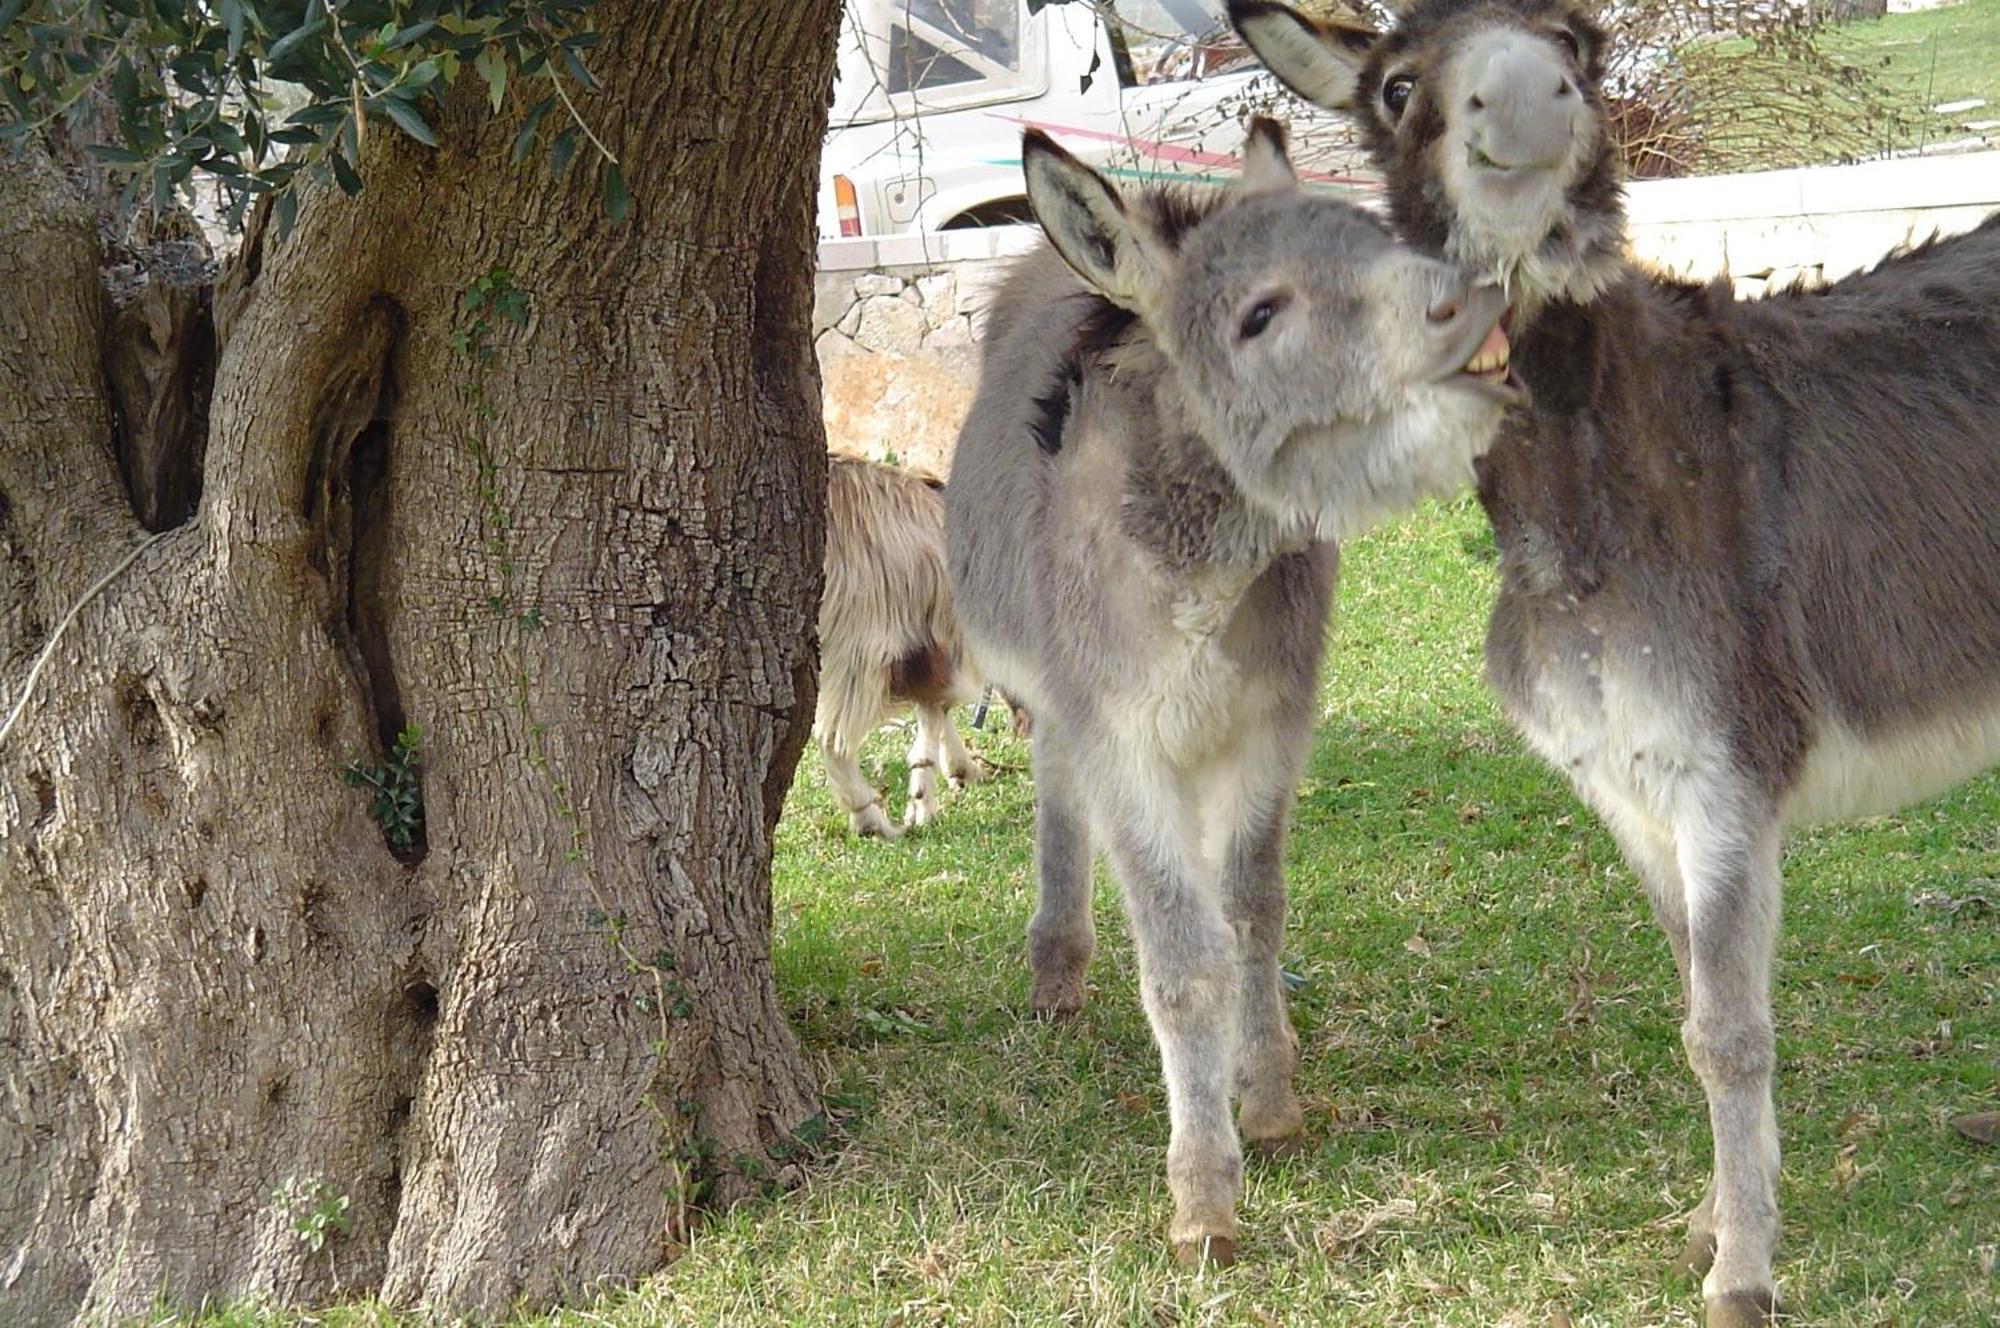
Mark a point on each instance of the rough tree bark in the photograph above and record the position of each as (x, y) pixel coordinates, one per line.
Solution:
(518, 1047)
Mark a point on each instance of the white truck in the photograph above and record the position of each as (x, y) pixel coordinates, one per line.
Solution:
(932, 96)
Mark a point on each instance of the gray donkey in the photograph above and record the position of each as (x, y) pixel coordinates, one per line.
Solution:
(1140, 527)
(1749, 552)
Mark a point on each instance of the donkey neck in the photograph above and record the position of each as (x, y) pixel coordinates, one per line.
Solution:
(1633, 396)
(1182, 507)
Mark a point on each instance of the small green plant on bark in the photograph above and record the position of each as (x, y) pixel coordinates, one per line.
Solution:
(314, 1208)
(396, 798)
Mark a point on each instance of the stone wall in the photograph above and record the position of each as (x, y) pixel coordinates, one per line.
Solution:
(897, 320)
(896, 323)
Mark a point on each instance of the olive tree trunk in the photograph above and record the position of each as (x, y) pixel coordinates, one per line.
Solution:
(247, 1043)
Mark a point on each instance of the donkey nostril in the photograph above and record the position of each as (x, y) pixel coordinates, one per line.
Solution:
(1475, 103)
(1563, 88)
(1443, 313)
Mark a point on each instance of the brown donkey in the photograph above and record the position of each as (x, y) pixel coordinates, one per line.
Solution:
(1749, 552)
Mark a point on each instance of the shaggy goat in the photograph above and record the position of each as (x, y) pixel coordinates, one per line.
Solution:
(1141, 521)
(1749, 552)
(887, 637)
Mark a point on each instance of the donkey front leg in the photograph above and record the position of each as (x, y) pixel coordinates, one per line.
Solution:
(1649, 852)
(1253, 810)
(1732, 889)
(1062, 934)
(1190, 984)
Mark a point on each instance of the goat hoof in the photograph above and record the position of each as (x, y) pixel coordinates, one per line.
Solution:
(1696, 1257)
(1739, 1309)
(872, 822)
(1209, 1252)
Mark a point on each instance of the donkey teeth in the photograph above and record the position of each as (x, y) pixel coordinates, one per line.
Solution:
(1490, 360)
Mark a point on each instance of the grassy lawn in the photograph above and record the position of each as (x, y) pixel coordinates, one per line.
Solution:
(1934, 57)
(1500, 1128)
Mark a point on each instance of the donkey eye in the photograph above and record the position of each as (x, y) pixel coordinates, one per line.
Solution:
(1396, 93)
(1570, 43)
(1259, 317)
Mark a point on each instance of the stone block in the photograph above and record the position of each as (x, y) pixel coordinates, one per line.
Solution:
(876, 283)
(939, 294)
(950, 334)
(831, 301)
(890, 324)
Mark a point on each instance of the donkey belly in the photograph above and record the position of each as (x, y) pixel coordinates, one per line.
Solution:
(995, 660)
(1849, 774)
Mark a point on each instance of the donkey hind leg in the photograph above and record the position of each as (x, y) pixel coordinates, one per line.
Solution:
(1249, 807)
(925, 745)
(1649, 851)
(1062, 934)
(1731, 877)
(856, 796)
(1190, 983)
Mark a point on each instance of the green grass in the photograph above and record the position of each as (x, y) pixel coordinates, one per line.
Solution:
(1501, 1131)
(1934, 57)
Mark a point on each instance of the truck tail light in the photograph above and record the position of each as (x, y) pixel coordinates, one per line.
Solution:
(846, 207)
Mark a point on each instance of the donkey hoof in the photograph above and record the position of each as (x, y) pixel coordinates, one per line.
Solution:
(1696, 1257)
(1739, 1309)
(1282, 1147)
(1271, 1124)
(1982, 1127)
(1207, 1252)
(1058, 1000)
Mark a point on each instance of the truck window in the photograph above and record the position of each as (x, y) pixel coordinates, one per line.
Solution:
(942, 43)
(1168, 41)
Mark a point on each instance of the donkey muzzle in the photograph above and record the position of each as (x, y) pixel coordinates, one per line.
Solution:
(1518, 107)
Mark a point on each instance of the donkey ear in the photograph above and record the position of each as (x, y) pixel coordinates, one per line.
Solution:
(1267, 167)
(1319, 59)
(1087, 222)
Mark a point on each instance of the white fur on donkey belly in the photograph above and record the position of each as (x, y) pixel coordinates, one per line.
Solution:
(1848, 774)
